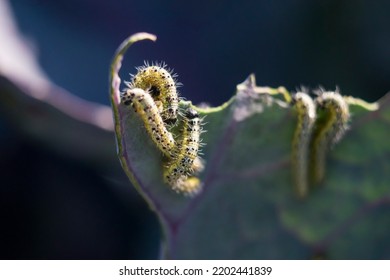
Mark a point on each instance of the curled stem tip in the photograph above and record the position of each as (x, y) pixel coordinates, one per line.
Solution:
(117, 61)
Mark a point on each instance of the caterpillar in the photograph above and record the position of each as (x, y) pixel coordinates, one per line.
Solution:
(145, 106)
(306, 111)
(161, 85)
(186, 161)
(153, 95)
(329, 129)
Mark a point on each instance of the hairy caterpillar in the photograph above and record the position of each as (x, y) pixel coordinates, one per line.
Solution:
(145, 106)
(161, 85)
(186, 159)
(329, 129)
(305, 108)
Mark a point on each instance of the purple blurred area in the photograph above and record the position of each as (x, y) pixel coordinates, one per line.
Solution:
(55, 208)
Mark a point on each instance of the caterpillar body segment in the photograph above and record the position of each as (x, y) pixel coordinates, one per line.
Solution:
(306, 113)
(146, 108)
(337, 108)
(162, 86)
(329, 129)
(179, 173)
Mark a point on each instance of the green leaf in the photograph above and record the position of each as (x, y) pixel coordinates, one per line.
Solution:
(248, 208)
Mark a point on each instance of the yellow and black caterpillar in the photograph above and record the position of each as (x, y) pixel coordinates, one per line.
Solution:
(153, 95)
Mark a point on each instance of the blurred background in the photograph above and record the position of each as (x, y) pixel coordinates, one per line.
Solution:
(55, 206)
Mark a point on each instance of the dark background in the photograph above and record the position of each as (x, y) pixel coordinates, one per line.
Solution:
(75, 212)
